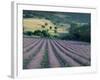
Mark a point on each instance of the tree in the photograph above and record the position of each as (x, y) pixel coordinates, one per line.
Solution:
(80, 32)
(37, 32)
(55, 29)
(45, 33)
(43, 26)
(50, 27)
(28, 33)
(46, 24)
(84, 33)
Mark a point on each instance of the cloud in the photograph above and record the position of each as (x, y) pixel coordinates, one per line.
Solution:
(62, 15)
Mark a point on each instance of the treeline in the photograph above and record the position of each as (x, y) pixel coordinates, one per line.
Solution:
(78, 32)
(43, 33)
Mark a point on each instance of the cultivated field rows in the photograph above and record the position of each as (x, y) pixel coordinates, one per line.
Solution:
(52, 53)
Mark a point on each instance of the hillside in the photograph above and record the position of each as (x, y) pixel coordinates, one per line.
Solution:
(58, 17)
(61, 25)
(33, 24)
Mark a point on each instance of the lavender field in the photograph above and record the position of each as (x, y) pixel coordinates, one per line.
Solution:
(56, 39)
(52, 53)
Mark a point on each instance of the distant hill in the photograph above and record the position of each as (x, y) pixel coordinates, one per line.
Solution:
(62, 21)
(58, 17)
(33, 24)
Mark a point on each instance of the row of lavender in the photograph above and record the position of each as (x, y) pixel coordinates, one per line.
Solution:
(51, 53)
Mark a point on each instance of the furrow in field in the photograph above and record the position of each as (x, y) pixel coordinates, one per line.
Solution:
(30, 55)
(52, 58)
(27, 43)
(36, 61)
(34, 50)
(72, 50)
(69, 61)
(79, 48)
(31, 46)
(75, 57)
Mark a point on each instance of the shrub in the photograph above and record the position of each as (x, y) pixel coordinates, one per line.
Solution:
(29, 33)
(37, 32)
